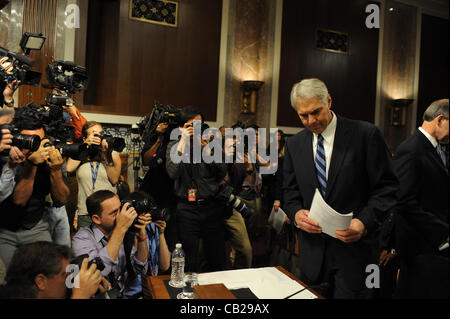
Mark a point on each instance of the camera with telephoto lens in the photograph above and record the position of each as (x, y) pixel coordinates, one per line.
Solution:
(21, 141)
(74, 151)
(226, 196)
(52, 121)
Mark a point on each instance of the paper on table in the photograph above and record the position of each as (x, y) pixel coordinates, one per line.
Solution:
(265, 283)
(329, 219)
(276, 219)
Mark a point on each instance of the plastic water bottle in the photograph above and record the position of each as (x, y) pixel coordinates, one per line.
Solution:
(177, 275)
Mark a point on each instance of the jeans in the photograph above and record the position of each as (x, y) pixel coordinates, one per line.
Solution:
(58, 225)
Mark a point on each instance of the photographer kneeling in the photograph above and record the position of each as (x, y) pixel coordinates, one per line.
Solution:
(158, 252)
(99, 171)
(105, 237)
(21, 218)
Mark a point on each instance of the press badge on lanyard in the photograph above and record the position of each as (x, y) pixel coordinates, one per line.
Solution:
(192, 195)
(94, 174)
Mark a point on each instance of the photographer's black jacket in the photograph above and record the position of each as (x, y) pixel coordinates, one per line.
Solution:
(157, 182)
(206, 178)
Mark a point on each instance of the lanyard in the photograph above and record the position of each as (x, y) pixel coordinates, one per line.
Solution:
(152, 244)
(94, 174)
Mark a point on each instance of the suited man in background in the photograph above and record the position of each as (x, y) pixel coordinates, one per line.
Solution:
(349, 162)
(422, 217)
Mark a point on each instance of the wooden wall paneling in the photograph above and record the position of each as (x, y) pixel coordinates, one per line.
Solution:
(80, 47)
(39, 16)
(141, 62)
(398, 70)
(434, 63)
(350, 78)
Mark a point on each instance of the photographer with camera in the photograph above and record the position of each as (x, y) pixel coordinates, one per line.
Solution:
(157, 182)
(8, 87)
(105, 237)
(15, 156)
(38, 271)
(158, 252)
(99, 171)
(199, 214)
(241, 249)
(21, 218)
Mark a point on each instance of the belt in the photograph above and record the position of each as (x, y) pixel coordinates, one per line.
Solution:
(198, 202)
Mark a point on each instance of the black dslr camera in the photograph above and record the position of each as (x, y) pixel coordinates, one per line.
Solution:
(147, 205)
(79, 260)
(59, 134)
(114, 293)
(114, 143)
(22, 141)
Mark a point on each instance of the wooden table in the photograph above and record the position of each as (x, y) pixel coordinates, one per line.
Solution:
(154, 288)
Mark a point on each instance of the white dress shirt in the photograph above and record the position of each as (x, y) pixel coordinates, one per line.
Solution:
(328, 140)
(429, 137)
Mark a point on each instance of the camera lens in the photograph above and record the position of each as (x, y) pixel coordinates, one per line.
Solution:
(27, 142)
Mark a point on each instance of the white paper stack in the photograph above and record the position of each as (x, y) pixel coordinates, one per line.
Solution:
(329, 219)
(265, 283)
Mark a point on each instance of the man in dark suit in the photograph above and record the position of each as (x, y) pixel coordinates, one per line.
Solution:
(422, 218)
(349, 162)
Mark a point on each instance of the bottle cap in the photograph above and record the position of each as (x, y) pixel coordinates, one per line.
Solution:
(178, 245)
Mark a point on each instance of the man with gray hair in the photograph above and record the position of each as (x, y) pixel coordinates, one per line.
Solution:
(349, 163)
(422, 218)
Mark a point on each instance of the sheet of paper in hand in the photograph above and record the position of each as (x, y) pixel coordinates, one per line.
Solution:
(276, 219)
(329, 219)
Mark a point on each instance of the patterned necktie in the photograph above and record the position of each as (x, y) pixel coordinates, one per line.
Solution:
(441, 154)
(321, 165)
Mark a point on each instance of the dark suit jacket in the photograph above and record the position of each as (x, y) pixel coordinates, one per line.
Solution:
(422, 217)
(360, 180)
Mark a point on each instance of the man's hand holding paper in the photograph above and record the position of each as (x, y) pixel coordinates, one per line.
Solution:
(353, 233)
(330, 221)
(307, 224)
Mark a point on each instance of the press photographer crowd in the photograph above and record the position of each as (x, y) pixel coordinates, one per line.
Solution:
(211, 207)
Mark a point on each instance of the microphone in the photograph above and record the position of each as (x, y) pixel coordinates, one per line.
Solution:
(23, 58)
(323, 285)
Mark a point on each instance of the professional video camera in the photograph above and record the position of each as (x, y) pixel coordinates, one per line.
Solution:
(66, 76)
(226, 196)
(22, 63)
(161, 114)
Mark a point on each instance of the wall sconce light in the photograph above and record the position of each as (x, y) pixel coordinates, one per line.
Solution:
(249, 96)
(398, 111)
